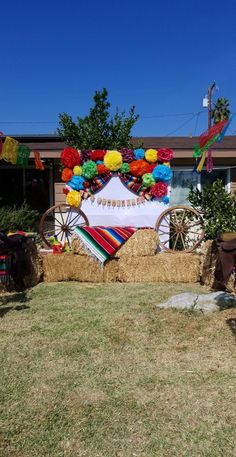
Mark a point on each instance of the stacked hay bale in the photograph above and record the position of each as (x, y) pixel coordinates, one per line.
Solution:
(207, 269)
(136, 261)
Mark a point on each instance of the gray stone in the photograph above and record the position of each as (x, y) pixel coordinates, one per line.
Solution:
(205, 303)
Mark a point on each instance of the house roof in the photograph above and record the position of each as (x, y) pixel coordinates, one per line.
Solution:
(50, 146)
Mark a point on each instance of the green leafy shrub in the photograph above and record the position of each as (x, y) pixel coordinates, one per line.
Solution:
(218, 208)
(22, 218)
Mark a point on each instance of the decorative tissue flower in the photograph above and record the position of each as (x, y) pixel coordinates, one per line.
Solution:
(98, 154)
(77, 170)
(165, 154)
(89, 169)
(139, 153)
(101, 169)
(70, 157)
(162, 173)
(125, 168)
(65, 190)
(127, 155)
(73, 198)
(139, 167)
(113, 160)
(159, 190)
(77, 182)
(151, 155)
(166, 200)
(148, 180)
(66, 174)
(86, 155)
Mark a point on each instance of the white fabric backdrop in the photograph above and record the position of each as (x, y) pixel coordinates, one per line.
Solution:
(142, 215)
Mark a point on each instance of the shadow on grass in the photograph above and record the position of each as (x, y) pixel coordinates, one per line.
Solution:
(13, 298)
(232, 325)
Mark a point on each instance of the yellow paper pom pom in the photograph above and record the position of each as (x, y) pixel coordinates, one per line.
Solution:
(73, 198)
(77, 170)
(113, 160)
(151, 155)
(167, 164)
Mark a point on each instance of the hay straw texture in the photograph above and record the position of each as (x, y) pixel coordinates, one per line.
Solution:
(207, 269)
(141, 243)
(69, 267)
(164, 267)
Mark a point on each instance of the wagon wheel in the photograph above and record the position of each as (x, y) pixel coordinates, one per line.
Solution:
(180, 228)
(60, 221)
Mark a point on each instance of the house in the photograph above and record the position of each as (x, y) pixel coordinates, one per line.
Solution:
(42, 189)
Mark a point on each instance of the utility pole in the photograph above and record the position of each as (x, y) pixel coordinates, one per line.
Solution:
(210, 90)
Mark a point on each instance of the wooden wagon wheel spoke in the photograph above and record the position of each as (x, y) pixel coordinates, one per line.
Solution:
(182, 234)
(63, 230)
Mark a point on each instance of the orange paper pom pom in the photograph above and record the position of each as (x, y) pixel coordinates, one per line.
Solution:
(102, 169)
(139, 167)
(66, 174)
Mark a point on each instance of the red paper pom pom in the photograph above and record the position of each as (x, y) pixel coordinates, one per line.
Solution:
(86, 183)
(66, 175)
(102, 169)
(70, 157)
(165, 155)
(65, 190)
(98, 154)
(159, 190)
(139, 167)
(151, 167)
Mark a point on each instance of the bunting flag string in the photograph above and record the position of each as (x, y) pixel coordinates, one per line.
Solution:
(116, 203)
(38, 163)
(13, 152)
(206, 140)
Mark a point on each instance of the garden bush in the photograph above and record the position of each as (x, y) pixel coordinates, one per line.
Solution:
(218, 208)
(14, 218)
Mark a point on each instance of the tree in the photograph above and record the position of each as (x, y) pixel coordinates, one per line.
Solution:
(98, 130)
(218, 208)
(221, 110)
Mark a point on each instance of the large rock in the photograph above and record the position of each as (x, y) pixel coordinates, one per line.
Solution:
(205, 303)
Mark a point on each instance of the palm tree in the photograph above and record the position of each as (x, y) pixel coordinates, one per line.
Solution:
(221, 110)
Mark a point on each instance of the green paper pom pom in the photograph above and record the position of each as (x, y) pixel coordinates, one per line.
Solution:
(125, 168)
(148, 180)
(89, 169)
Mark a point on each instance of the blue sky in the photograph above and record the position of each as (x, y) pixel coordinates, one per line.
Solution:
(157, 55)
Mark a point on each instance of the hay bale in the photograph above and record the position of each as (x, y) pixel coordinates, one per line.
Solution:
(69, 267)
(207, 269)
(141, 244)
(164, 267)
(78, 248)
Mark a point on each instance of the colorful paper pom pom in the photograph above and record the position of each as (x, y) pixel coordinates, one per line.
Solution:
(77, 170)
(159, 190)
(139, 153)
(139, 167)
(89, 169)
(98, 154)
(70, 157)
(148, 180)
(86, 155)
(65, 190)
(125, 168)
(167, 164)
(165, 154)
(101, 169)
(127, 155)
(77, 182)
(66, 174)
(113, 160)
(73, 198)
(162, 173)
(151, 155)
(166, 200)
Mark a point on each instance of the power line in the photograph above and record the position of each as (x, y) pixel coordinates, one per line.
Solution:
(181, 126)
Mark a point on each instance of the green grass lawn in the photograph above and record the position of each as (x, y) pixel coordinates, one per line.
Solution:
(95, 370)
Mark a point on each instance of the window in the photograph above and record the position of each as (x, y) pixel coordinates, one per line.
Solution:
(183, 178)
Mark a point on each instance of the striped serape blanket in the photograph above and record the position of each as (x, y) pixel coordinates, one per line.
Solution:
(104, 242)
(4, 277)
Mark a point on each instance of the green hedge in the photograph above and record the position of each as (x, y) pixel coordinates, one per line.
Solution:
(22, 218)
